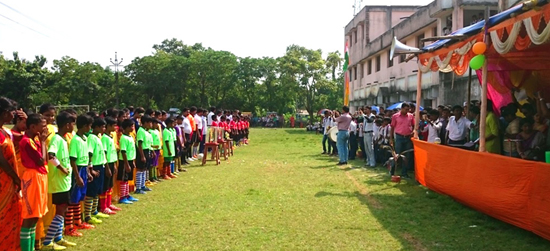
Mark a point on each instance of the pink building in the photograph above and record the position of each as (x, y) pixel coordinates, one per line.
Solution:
(376, 79)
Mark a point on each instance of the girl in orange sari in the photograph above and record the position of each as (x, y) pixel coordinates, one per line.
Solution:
(10, 184)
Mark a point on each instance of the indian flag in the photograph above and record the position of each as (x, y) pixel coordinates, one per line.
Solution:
(346, 75)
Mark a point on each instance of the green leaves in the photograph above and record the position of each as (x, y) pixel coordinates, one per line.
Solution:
(178, 75)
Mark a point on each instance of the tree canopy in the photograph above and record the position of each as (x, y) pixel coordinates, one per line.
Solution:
(178, 75)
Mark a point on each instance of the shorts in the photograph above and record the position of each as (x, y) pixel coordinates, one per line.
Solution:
(144, 165)
(78, 194)
(195, 137)
(155, 159)
(34, 187)
(108, 181)
(122, 175)
(61, 198)
(168, 159)
(95, 187)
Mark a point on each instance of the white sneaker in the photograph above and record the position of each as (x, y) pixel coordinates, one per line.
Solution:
(194, 159)
(200, 155)
(190, 159)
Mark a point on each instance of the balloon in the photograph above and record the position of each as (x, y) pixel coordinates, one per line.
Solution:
(477, 62)
(479, 48)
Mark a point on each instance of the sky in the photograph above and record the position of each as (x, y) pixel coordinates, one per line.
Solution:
(94, 30)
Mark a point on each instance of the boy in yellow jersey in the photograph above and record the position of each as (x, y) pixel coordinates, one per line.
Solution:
(105, 198)
(145, 153)
(80, 162)
(126, 161)
(59, 181)
(95, 187)
(48, 113)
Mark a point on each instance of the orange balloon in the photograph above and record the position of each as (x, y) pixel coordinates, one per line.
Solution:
(479, 48)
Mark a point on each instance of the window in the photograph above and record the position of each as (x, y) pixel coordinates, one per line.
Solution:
(390, 60)
(419, 43)
(361, 71)
(355, 35)
(402, 57)
(378, 63)
(434, 32)
(354, 73)
(369, 67)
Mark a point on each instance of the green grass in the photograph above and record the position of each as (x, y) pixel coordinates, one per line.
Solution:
(279, 193)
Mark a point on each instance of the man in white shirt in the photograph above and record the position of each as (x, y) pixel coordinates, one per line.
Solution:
(198, 122)
(368, 136)
(353, 139)
(204, 131)
(209, 116)
(457, 128)
(327, 123)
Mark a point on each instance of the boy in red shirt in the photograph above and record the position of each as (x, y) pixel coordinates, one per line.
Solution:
(35, 179)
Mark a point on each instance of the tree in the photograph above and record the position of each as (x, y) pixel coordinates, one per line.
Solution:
(333, 62)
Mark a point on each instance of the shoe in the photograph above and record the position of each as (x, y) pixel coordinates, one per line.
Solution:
(94, 220)
(149, 183)
(109, 211)
(172, 176)
(341, 163)
(183, 170)
(53, 246)
(73, 233)
(125, 201)
(166, 177)
(66, 243)
(190, 160)
(100, 215)
(195, 157)
(146, 189)
(84, 225)
(324, 153)
(114, 208)
(139, 191)
(132, 199)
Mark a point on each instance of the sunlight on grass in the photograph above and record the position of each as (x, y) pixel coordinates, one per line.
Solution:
(279, 193)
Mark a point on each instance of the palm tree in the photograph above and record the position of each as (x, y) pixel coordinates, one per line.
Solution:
(333, 62)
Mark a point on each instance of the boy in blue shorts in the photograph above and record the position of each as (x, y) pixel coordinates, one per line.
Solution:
(59, 181)
(98, 160)
(126, 161)
(80, 162)
(143, 161)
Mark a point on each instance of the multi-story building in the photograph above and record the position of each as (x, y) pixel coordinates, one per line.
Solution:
(377, 79)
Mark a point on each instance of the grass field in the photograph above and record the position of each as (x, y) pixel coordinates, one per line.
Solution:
(280, 193)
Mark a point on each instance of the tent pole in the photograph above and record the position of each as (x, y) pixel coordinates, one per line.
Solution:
(418, 97)
(469, 98)
(483, 115)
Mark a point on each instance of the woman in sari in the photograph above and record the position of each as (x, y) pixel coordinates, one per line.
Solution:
(10, 184)
(531, 141)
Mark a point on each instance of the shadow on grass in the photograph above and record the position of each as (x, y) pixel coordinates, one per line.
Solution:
(424, 220)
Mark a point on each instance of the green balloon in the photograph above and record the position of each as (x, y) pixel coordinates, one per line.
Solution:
(477, 62)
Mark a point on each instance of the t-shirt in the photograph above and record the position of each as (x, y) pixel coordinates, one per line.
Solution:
(145, 137)
(156, 139)
(59, 182)
(187, 128)
(110, 148)
(52, 130)
(167, 136)
(128, 145)
(97, 149)
(192, 122)
(78, 149)
(31, 150)
(198, 120)
(491, 128)
(174, 135)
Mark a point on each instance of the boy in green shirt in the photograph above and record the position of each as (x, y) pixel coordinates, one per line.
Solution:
(168, 149)
(108, 142)
(95, 187)
(155, 134)
(126, 161)
(79, 155)
(143, 162)
(59, 180)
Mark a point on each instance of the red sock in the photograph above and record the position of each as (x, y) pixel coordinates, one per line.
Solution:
(102, 202)
(77, 214)
(109, 198)
(69, 217)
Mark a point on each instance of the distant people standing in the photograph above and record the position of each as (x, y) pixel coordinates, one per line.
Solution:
(292, 121)
(353, 139)
(343, 123)
(327, 123)
(402, 124)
